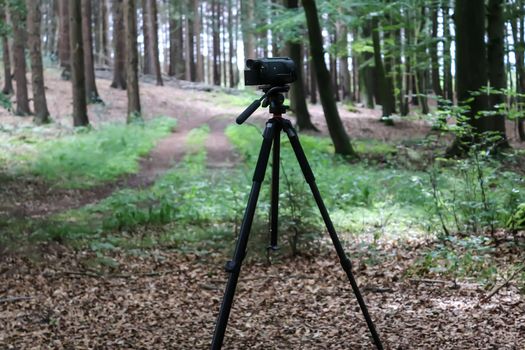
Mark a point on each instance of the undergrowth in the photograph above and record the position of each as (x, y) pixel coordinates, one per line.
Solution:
(92, 156)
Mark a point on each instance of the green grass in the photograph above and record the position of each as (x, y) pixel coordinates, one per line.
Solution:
(242, 98)
(93, 156)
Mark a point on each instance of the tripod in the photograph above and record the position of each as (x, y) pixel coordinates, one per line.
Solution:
(274, 98)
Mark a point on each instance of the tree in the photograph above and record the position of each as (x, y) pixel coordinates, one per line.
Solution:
(8, 80)
(37, 71)
(385, 89)
(80, 117)
(335, 126)
(297, 95)
(63, 44)
(119, 46)
(18, 14)
(92, 95)
(154, 33)
(471, 71)
(132, 61)
(176, 60)
(496, 64)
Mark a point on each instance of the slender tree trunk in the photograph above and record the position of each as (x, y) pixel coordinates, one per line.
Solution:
(436, 82)
(154, 40)
(63, 45)
(132, 61)
(216, 42)
(247, 21)
(335, 126)
(231, 46)
(119, 44)
(399, 73)
(197, 32)
(313, 80)
(190, 48)
(517, 36)
(447, 56)
(92, 95)
(387, 97)
(297, 95)
(343, 63)
(80, 117)
(8, 80)
(146, 34)
(368, 71)
(37, 70)
(18, 20)
(104, 54)
(496, 63)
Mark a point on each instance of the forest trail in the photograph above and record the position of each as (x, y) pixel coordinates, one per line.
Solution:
(193, 106)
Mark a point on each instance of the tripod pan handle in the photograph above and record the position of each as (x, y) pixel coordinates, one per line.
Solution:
(248, 112)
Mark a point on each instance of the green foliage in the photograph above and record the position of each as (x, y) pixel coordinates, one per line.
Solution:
(90, 156)
(459, 258)
(517, 219)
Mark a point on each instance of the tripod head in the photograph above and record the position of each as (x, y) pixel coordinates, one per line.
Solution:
(273, 97)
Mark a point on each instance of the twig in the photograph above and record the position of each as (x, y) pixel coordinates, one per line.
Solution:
(374, 289)
(13, 299)
(504, 284)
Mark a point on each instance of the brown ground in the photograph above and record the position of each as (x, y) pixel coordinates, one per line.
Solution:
(169, 301)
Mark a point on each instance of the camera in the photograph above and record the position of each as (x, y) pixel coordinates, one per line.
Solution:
(275, 71)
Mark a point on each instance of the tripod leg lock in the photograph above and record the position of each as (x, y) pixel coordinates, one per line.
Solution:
(232, 266)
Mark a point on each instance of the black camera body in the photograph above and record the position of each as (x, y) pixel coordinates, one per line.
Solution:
(274, 71)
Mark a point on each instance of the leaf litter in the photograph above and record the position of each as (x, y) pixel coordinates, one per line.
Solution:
(168, 300)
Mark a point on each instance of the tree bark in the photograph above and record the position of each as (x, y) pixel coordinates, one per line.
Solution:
(471, 70)
(154, 40)
(8, 79)
(231, 46)
(248, 36)
(63, 45)
(199, 69)
(37, 70)
(132, 62)
(104, 54)
(216, 42)
(146, 34)
(436, 82)
(367, 70)
(313, 80)
(119, 44)
(447, 56)
(297, 91)
(80, 117)
(335, 126)
(385, 90)
(496, 63)
(176, 67)
(92, 95)
(18, 21)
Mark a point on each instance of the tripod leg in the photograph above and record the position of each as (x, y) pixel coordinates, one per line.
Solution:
(343, 259)
(274, 206)
(234, 266)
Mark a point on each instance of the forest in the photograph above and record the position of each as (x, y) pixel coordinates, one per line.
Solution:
(126, 184)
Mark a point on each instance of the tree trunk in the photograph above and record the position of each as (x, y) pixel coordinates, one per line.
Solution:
(63, 45)
(146, 34)
(247, 21)
(37, 71)
(197, 32)
(18, 20)
(92, 95)
(403, 111)
(343, 63)
(367, 70)
(471, 70)
(104, 54)
(119, 44)
(80, 117)
(313, 80)
(447, 56)
(335, 126)
(385, 91)
(8, 79)
(517, 36)
(176, 66)
(436, 83)
(496, 64)
(132, 61)
(231, 46)
(154, 40)
(190, 47)
(216, 42)
(297, 95)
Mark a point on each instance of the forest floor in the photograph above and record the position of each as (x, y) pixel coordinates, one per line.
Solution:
(56, 297)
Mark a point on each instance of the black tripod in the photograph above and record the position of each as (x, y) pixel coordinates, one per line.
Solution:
(274, 98)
